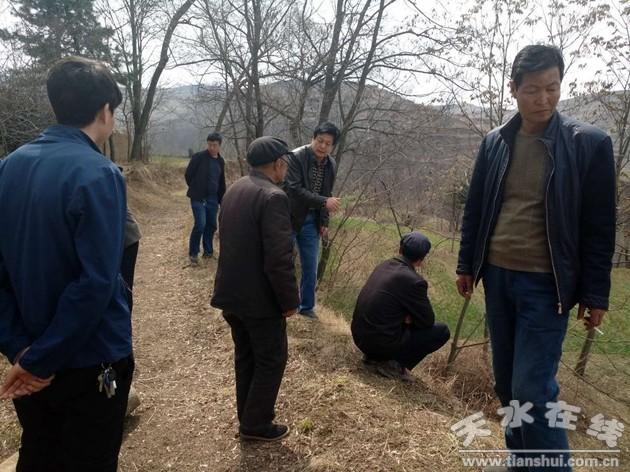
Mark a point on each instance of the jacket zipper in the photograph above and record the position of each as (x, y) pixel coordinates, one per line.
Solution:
(494, 204)
(553, 267)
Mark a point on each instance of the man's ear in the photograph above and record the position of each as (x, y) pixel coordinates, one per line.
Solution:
(513, 87)
(102, 114)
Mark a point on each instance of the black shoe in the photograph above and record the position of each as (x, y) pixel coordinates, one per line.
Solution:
(194, 260)
(369, 361)
(274, 433)
(390, 369)
(207, 255)
(405, 375)
(308, 314)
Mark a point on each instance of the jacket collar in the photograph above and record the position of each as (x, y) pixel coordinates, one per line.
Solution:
(404, 260)
(70, 133)
(256, 173)
(509, 130)
(219, 156)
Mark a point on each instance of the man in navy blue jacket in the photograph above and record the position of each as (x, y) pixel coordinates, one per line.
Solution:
(64, 319)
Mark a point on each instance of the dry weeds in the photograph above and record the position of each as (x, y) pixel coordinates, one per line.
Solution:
(342, 417)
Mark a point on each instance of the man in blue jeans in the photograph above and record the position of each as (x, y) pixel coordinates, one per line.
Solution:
(309, 185)
(205, 176)
(539, 229)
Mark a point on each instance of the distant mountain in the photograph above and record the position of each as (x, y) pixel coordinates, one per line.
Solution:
(185, 115)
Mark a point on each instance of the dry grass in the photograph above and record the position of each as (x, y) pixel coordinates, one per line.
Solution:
(343, 418)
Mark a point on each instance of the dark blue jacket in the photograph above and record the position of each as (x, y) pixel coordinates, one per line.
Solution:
(198, 175)
(579, 207)
(62, 221)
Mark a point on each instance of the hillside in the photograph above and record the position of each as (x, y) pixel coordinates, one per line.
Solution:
(343, 418)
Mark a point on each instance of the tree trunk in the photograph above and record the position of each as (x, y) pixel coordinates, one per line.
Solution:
(141, 124)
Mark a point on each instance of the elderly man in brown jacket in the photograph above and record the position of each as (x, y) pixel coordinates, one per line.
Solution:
(255, 285)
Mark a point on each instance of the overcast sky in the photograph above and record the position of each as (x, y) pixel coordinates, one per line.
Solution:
(396, 14)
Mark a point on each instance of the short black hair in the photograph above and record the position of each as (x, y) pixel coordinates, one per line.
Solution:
(78, 88)
(327, 128)
(534, 58)
(214, 136)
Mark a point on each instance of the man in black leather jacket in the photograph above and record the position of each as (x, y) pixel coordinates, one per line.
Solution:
(309, 184)
(539, 230)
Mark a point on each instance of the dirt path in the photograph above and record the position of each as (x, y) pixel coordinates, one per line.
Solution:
(341, 418)
(187, 420)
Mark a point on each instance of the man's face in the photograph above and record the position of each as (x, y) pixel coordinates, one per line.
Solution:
(214, 148)
(281, 166)
(322, 145)
(537, 97)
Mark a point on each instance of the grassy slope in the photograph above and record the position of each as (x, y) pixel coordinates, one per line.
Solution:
(379, 241)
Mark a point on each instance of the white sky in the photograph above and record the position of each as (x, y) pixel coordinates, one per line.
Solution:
(397, 14)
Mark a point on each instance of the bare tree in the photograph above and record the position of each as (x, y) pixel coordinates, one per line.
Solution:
(141, 27)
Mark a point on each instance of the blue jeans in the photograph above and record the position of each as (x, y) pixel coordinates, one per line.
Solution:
(205, 215)
(307, 240)
(526, 332)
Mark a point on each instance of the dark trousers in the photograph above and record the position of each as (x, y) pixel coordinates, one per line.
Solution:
(128, 269)
(419, 343)
(416, 345)
(72, 427)
(260, 356)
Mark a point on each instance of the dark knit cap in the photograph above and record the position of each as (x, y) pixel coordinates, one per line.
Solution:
(265, 149)
(414, 245)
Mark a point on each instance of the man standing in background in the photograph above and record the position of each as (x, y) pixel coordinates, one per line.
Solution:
(309, 184)
(205, 177)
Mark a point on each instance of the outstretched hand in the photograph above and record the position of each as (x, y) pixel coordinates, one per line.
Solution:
(333, 204)
(19, 382)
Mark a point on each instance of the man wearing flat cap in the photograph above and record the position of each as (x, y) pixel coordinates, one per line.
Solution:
(393, 322)
(255, 285)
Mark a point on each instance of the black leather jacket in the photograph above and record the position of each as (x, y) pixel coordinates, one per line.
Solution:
(298, 187)
(579, 207)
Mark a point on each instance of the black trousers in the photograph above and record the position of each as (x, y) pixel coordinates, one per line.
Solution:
(72, 427)
(419, 343)
(260, 356)
(128, 269)
(416, 345)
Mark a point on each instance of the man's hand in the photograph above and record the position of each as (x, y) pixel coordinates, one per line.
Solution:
(333, 204)
(19, 382)
(323, 232)
(592, 316)
(465, 285)
(290, 313)
(408, 320)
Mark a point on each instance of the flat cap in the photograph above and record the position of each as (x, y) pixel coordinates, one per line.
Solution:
(415, 245)
(265, 149)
